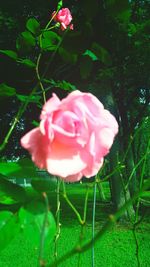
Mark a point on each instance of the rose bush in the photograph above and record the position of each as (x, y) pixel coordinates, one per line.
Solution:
(73, 137)
(64, 18)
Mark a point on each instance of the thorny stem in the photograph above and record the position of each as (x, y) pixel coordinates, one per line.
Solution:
(45, 30)
(118, 168)
(85, 204)
(38, 76)
(131, 141)
(24, 105)
(47, 25)
(71, 205)
(16, 120)
(54, 53)
(134, 169)
(38, 62)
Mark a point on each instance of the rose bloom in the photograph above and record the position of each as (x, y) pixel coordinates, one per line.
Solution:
(73, 137)
(64, 18)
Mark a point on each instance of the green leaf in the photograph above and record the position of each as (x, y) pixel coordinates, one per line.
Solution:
(145, 194)
(33, 26)
(61, 84)
(9, 53)
(6, 90)
(86, 66)
(132, 29)
(9, 192)
(145, 202)
(27, 62)
(60, 4)
(44, 184)
(32, 217)
(90, 54)
(25, 42)
(51, 81)
(32, 99)
(66, 86)
(24, 168)
(67, 56)
(101, 53)
(28, 38)
(9, 228)
(35, 123)
(9, 168)
(49, 40)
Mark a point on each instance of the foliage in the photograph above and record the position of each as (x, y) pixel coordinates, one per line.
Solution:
(105, 54)
(6, 90)
(114, 246)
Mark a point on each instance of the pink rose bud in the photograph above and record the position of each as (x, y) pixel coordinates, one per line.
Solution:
(64, 18)
(74, 135)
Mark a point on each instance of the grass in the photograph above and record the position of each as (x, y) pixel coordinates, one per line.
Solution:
(116, 249)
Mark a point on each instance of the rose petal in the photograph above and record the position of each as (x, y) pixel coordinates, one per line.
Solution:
(73, 178)
(69, 128)
(37, 145)
(91, 102)
(63, 26)
(85, 105)
(74, 136)
(64, 160)
(64, 16)
(92, 169)
(51, 105)
(105, 139)
(107, 120)
(71, 27)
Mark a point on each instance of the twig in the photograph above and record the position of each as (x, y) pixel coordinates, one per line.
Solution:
(23, 107)
(38, 75)
(16, 119)
(134, 169)
(71, 205)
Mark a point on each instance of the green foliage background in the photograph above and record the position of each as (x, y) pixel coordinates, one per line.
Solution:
(106, 54)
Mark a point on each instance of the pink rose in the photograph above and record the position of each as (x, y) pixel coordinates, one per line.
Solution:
(73, 137)
(64, 18)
